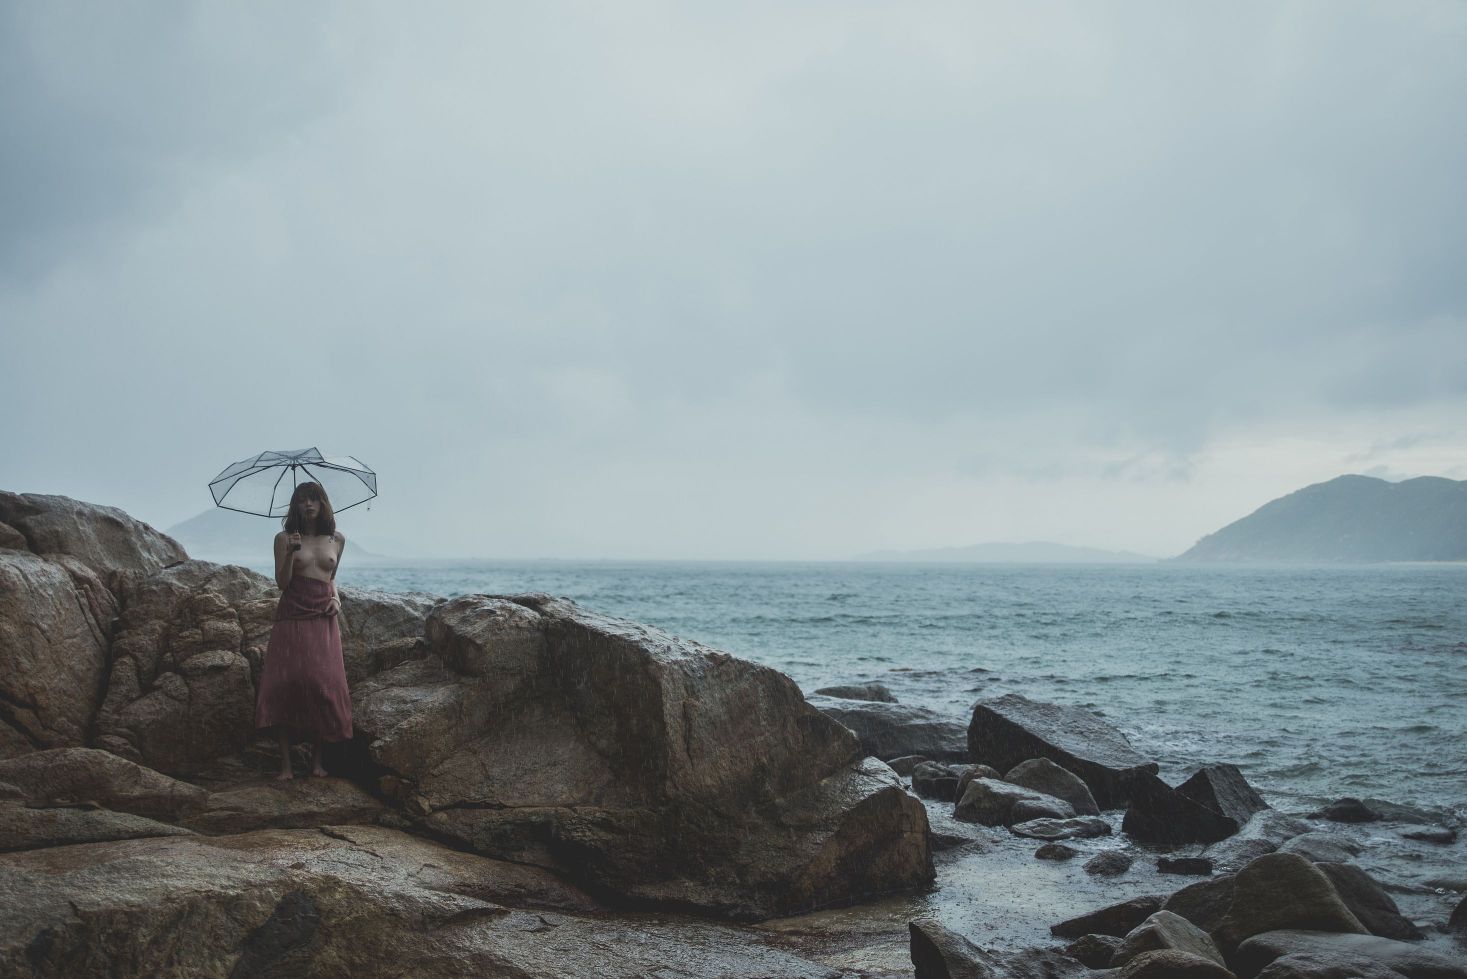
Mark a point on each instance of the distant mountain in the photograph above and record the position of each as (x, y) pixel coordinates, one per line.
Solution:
(1031, 552)
(228, 536)
(1349, 518)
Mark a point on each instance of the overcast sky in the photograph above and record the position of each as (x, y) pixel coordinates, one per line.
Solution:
(736, 280)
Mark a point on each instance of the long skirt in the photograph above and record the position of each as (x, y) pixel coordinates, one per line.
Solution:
(303, 683)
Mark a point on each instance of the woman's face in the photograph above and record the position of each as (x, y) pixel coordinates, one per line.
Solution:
(310, 509)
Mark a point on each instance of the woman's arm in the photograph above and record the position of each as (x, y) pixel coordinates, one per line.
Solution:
(284, 561)
(336, 566)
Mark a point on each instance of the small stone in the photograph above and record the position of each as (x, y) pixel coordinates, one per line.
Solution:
(1043, 775)
(878, 692)
(1322, 847)
(1111, 863)
(1027, 810)
(1187, 866)
(1347, 810)
(1056, 851)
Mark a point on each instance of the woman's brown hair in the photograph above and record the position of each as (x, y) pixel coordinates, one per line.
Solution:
(325, 520)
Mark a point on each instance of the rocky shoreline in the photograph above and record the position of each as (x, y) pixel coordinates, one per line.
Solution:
(536, 789)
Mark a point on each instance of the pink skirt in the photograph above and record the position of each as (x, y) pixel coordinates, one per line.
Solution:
(303, 683)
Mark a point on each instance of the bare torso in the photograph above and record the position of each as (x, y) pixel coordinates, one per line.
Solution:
(317, 557)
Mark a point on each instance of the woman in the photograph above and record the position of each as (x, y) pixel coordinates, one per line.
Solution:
(303, 684)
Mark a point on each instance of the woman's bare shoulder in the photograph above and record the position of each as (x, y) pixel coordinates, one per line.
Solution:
(340, 537)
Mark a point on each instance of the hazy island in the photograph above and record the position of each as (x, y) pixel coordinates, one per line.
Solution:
(1349, 519)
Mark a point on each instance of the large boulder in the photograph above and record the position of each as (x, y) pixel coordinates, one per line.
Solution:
(1213, 804)
(1010, 729)
(1205, 903)
(891, 730)
(87, 776)
(938, 952)
(1043, 775)
(1166, 930)
(635, 762)
(366, 902)
(1369, 902)
(992, 803)
(380, 629)
(1406, 959)
(187, 652)
(1282, 891)
(1170, 963)
(101, 537)
(1326, 965)
(56, 621)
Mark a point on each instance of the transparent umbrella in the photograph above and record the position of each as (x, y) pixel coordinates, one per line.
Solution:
(262, 484)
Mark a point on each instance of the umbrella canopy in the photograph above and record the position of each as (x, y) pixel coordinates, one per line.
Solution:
(262, 484)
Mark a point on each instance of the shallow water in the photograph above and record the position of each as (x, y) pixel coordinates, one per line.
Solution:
(1317, 681)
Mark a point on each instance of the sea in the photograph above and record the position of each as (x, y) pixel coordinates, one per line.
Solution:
(1318, 682)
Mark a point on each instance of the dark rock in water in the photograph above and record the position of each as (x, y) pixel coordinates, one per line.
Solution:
(991, 802)
(1457, 923)
(1010, 729)
(1205, 903)
(1409, 960)
(1056, 851)
(906, 764)
(1027, 810)
(949, 833)
(1282, 890)
(1263, 833)
(940, 953)
(1078, 828)
(1322, 847)
(635, 762)
(1347, 810)
(1114, 919)
(1043, 775)
(934, 780)
(1187, 866)
(1317, 965)
(1172, 964)
(877, 692)
(1111, 863)
(1215, 803)
(1369, 902)
(1093, 951)
(975, 771)
(893, 730)
(1442, 835)
(1165, 930)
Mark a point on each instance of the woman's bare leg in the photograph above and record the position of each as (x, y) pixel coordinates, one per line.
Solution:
(316, 768)
(285, 772)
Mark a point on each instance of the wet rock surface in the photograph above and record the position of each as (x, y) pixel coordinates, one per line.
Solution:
(1078, 828)
(877, 692)
(1043, 775)
(362, 901)
(1011, 729)
(992, 803)
(1215, 803)
(297, 804)
(1368, 901)
(1165, 930)
(1346, 949)
(891, 730)
(1282, 891)
(1113, 919)
(103, 538)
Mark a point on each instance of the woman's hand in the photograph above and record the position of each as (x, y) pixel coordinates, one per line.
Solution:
(335, 604)
(293, 542)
